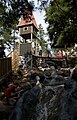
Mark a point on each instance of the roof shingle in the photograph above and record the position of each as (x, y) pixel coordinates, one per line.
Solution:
(28, 21)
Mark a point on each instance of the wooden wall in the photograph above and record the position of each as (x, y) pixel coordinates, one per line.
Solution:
(5, 66)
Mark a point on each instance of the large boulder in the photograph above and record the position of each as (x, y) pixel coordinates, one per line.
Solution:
(26, 105)
(74, 74)
(69, 101)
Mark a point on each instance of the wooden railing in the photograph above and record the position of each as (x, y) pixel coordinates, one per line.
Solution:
(5, 67)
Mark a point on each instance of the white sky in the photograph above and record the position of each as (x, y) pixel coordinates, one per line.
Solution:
(39, 17)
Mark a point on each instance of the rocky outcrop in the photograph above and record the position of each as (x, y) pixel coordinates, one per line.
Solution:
(53, 98)
(41, 102)
(26, 105)
(69, 101)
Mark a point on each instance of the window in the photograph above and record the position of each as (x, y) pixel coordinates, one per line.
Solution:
(25, 28)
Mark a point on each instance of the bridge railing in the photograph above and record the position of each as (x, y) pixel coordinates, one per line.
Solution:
(5, 66)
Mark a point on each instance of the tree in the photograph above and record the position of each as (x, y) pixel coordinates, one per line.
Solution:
(10, 12)
(7, 25)
(62, 18)
(41, 35)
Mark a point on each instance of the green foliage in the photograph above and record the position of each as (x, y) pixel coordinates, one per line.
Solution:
(62, 18)
(19, 71)
(10, 12)
(41, 35)
(69, 34)
(7, 25)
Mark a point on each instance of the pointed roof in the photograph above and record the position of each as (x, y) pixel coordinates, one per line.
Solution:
(28, 21)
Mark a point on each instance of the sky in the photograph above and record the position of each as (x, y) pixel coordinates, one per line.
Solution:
(39, 17)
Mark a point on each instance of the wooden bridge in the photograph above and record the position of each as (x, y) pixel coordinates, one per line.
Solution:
(11, 62)
(70, 62)
(46, 59)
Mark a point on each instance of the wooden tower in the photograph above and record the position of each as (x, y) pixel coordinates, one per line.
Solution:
(28, 31)
(28, 28)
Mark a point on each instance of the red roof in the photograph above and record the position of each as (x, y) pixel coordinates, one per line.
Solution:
(28, 21)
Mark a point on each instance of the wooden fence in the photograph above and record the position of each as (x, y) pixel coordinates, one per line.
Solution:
(5, 67)
(15, 58)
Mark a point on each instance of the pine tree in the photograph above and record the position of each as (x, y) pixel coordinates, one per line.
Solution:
(41, 36)
(62, 18)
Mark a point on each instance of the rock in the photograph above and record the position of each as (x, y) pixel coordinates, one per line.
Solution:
(51, 73)
(26, 105)
(57, 80)
(50, 63)
(64, 71)
(34, 77)
(51, 101)
(5, 110)
(74, 74)
(69, 101)
(44, 65)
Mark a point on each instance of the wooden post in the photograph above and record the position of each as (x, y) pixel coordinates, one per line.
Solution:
(36, 46)
(31, 43)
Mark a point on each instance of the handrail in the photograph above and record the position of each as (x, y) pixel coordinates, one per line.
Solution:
(10, 52)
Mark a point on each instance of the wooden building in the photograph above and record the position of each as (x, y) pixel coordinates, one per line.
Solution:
(28, 29)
